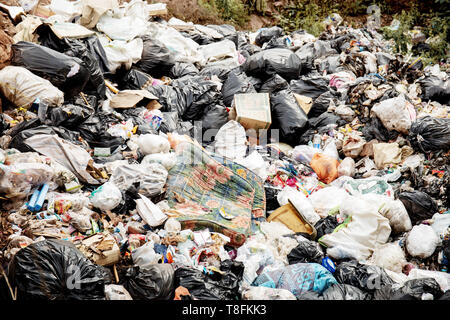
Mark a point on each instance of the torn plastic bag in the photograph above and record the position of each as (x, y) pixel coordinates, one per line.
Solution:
(136, 80)
(116, 292)
(297, 278)
(55, 270)
(326, 199)
(375, 129)
(122, 54)
(288, 116)
(321, 104)
(368, 278)
(93, 131)
(73, 157)
(216, 286)
(276, 83)
(150, 178)
(69, 116)
(154, 282)
(236, 83)
(325, 225)
(395, 114)
(221, 72)
(306, 251)
(22, 88)
(420, 206)
(344, 292)
(269, 62)
(429, 134)
(435, 89)
(310, 87)
(266, 34)
(410, 290)
(231, 141)
(68, 74)
(183, 69)
(157, 60)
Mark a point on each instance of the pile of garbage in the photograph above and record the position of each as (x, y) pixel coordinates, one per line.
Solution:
(148, 159)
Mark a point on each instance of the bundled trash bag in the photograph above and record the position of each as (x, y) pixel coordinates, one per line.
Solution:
(182, 69)
(136, 80)
(273, 84)
(68, 74)
(69, 116)
(266, 34)
(435, 89)
(228, 31)
(414, 289)
(288, 116)
(325, 225)
(236, 83)
(306, 251)
(269, 62)
(375, 129)
(344, 292)
(214, 286)
(93, 130)
(154, 282)
(157, 60)
(310, 87)
(55, 270)
(219, 71)
(419, 205)
(368, 278)
(429, 134)
(214, 117)
(297, 278)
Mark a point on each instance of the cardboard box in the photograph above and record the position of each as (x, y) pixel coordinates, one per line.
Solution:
(252, 110)
(101, 249)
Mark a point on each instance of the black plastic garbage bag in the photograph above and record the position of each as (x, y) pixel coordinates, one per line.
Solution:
(156, 60)
(325, 119)
(445, 296)
(265, 34)
(96, 81)
(68, 116)
(236, 83)
(169, 122)
(269, 62)
(271, 198)
(419, 205)
(69, 74)
(220, 72)
(212, 287)
(154, 282)
(325, 226)
(344, 292)
(411, 290)
(279, 42)
(310, 87)
(306, 251)
(429, 134)
(228, 31)
(136, 80)
(55, 270)
(3, 124)
(93, 130)
(375, 129)
(365, 277)
(287, 116)
(275, 83)
(321, 104)
(435, 89)
(214, 117)
(182, 69)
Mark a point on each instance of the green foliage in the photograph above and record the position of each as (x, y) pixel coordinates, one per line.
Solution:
(233, 11)
(307, 15)
(256, 6)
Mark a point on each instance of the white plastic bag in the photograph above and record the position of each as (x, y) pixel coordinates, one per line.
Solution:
(304, 153)
(256, 163)
(116, 292)
(264, 293)
(398, 217)
(441, 223)
(216, 52)
(362, 232)
(300, 202)
(389, 256)
(347, 167)
(121, 28)
(106, 197)
(153, 143)
(150, 212)
(231, 141)
(121, 52)
(168, 160)
(22, 88)
(325, 199)
(394, 114)
(145, 255)
(422, 241)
